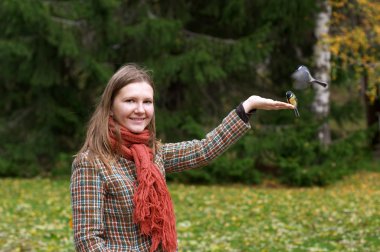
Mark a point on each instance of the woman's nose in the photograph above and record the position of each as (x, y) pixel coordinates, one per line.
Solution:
(139, 108)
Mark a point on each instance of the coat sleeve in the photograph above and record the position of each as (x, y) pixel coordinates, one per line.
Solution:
(87, 193)
(196, 153)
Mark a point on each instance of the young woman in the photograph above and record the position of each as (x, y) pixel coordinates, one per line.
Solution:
(120, 200)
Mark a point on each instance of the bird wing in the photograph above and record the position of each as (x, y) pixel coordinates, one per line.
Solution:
(301, 80)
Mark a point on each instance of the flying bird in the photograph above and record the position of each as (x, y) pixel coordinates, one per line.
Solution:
(302, 78)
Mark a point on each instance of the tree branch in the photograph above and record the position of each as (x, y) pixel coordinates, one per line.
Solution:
(191, 34)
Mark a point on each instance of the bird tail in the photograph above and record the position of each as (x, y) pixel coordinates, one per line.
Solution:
(323, 84)
(296, 112)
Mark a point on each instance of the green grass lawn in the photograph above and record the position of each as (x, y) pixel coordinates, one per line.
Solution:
(35, 214)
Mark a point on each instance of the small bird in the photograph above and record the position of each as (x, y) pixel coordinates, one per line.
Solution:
(292, 99)
(302, 78)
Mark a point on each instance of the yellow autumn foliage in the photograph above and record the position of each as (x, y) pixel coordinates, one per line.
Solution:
(355, 39)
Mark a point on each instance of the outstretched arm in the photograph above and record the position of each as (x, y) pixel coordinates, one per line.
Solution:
(191, 154)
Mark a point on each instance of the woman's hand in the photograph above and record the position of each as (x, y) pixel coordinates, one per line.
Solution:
(257, 102)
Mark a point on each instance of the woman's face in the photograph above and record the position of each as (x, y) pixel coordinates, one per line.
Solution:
(133, 106)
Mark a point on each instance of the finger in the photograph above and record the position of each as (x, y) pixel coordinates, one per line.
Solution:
(283, 105)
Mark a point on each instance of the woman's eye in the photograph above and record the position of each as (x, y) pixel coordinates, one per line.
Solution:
(148, 102)
(129, 101)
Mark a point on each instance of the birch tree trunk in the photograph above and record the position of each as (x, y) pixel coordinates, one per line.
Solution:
(321, 102)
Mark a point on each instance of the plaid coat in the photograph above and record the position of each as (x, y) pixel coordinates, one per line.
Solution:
(102, 199)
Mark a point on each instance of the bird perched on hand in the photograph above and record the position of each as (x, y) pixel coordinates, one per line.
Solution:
(302, 78)
(292, 99)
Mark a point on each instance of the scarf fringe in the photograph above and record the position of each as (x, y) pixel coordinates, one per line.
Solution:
(153, 206)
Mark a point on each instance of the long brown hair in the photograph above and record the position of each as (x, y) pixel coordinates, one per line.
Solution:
(97, 137)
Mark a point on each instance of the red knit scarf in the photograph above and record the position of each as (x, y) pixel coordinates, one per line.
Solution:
(153, 205)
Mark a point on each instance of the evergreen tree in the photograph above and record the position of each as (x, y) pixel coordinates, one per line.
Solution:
(49, 74)
(206, 56)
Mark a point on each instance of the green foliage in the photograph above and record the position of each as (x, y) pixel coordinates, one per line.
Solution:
(206, 57)
(300, 160)
(45, 72)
